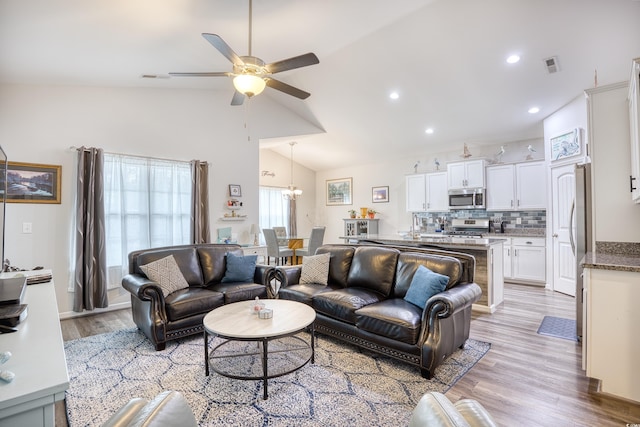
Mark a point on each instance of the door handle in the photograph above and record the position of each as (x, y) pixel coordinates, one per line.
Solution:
(573, 243)
(554, 235)
(631, 179)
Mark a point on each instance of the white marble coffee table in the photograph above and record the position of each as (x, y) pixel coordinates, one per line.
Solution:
(236, 324)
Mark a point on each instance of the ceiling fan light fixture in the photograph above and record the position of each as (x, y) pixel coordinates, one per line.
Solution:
(249, 84)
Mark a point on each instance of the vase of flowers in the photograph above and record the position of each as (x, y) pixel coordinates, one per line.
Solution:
(371, 213)
(352, 213)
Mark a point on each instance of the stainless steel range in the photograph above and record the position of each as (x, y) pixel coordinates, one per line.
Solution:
(469, 227)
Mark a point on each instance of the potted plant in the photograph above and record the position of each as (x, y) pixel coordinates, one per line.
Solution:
(372, 213)
(352, 213)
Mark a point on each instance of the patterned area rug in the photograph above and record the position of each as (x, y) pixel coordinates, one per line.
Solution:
(558, 327)
(346, 386)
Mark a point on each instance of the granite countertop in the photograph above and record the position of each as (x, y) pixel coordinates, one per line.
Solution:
(432, 240)
(620, 256)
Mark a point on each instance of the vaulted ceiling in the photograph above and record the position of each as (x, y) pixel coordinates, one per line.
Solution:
(446, 59)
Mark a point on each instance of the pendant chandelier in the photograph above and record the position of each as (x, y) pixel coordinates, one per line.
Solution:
(292, 193)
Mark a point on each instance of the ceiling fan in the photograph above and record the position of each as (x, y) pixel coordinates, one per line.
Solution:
(250, 73)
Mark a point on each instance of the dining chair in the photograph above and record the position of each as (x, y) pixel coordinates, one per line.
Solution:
(273, 248)
(315, 241)
(281, 233)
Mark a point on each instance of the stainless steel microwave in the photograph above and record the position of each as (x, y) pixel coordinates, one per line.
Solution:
(467, 198)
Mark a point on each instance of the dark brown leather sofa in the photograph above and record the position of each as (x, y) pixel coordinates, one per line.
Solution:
(180, 313)
(363, 301)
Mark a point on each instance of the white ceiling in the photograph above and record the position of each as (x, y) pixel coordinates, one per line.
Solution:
(446, 58)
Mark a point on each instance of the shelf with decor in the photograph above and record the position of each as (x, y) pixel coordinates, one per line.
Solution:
(234, 205)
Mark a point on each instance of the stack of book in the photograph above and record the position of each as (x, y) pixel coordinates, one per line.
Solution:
(39, 278)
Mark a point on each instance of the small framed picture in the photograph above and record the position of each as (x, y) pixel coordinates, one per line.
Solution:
(568, 144)
(235, 190)
(339, 191)
(33, 183)
(380, 194)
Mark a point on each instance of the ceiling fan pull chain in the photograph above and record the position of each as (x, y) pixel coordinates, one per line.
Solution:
(250, 24)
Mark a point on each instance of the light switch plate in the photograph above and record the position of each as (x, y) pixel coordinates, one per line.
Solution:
(27, 227)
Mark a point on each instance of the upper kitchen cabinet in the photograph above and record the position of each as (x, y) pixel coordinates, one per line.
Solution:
(416, 192)
(634, 122)
(427, 192)
(469, 174)
(517, 187)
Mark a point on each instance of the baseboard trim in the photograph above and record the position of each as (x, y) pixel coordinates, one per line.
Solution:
(113, 307)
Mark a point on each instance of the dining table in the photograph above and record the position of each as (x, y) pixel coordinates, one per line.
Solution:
(294, 243)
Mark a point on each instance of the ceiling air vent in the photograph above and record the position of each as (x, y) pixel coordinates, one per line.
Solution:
(552, 64)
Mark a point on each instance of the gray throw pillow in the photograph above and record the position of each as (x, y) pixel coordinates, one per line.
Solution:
(315, 269)
(166, 273)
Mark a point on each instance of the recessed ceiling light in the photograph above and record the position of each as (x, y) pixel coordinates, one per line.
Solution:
(429, 131)
(513, 59)
(394, 95)
(534, 110)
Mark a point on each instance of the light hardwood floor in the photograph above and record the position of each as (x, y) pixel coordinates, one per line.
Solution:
(525, 379)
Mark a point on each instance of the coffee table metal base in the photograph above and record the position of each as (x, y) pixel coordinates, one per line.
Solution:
(262, 350)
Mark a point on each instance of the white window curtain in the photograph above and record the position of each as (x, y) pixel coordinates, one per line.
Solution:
(147, 204)
(274, 209)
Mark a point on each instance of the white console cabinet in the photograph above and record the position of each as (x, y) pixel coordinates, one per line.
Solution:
(37, 361)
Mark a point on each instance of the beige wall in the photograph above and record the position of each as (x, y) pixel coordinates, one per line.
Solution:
(38, 124)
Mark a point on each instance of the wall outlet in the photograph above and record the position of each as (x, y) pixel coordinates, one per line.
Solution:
(518, 220)
(26, 228)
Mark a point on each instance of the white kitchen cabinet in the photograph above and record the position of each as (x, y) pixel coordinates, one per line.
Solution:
(634, 123)
(531, 186)
(520, 186)
(528, 259)
(610, 344)
(501, 188)
(507, 259)
(416, 192)
(437, 194)
(524, 259)
(427, 192)
(469, 174)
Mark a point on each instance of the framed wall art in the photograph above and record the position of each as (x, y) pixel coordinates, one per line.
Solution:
(235, 190)
(568, 144)
(380, 194)
(339, 191)
(33, 183)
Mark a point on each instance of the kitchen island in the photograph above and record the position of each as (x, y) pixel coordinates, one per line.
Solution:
(489, 274)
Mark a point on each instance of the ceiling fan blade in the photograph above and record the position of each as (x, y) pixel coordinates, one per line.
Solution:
(237, 99)
(292, 63)
(288, 89)
(215, 74)
(223, 47)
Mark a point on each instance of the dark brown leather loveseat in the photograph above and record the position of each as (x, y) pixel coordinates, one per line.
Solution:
(180, 313)
(363, 301)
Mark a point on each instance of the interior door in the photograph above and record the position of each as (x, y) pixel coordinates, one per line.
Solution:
(564, 261)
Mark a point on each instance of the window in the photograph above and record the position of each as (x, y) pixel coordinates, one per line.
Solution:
(147, 204)
(274, 209)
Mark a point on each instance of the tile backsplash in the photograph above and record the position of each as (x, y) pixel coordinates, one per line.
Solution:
(528, 219)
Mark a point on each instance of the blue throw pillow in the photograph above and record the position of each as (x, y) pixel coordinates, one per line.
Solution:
(240, 268)
(424, 285)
